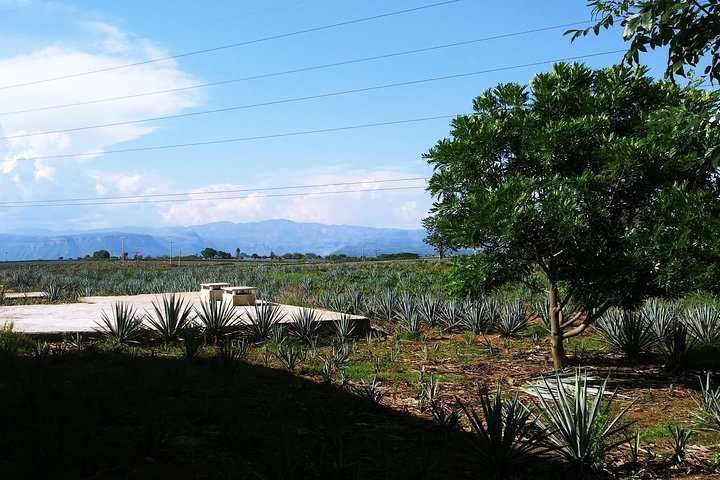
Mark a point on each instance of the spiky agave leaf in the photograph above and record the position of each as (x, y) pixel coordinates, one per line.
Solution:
(385, 305)
(170, 318)
(407, 313)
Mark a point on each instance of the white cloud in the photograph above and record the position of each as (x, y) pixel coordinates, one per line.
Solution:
(61, 60)
(54, 178)
(368, 202)
(44, 172)
(207, 207)
(408, 210)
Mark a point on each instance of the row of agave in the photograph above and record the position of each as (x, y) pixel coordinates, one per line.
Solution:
(98, 279)
(174, 321)
(668, 327)
(506, 316)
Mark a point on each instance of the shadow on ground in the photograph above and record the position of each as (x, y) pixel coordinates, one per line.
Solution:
(119, 416)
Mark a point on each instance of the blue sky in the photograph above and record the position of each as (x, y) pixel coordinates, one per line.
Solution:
(42, 40)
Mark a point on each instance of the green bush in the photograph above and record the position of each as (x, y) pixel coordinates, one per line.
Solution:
(14, 343)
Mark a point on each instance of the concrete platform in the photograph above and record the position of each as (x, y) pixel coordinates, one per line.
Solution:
(82, 316)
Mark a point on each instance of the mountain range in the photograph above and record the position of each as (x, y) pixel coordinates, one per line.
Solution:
(279, 236)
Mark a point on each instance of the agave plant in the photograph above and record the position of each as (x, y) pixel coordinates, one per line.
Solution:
(542, 310)
(306, 325)
(679, 437)
(53, 292)
(122, 326)
(263, 319)
(344, 328)
(385, 306)
(192, 339)
(473, 316)
(451, 314)
(408, 314)
(707, 414)
(430, 308)
(170, 318)
(513, 319)
(703, 322)
(661, 315)
(289, 354)
(626, 331)
(504, 438)
(218, 319)
(676, 346)
(580, 426)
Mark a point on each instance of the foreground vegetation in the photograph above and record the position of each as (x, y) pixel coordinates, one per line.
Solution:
(443, 388)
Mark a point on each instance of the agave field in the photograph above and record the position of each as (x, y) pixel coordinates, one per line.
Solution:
(442, 387)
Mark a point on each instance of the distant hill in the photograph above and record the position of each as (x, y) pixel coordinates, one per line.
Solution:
(280, 236)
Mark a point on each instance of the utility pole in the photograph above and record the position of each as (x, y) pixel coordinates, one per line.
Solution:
(171, 243)
(122, 249)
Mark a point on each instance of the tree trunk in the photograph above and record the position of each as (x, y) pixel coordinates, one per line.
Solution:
(557, 348)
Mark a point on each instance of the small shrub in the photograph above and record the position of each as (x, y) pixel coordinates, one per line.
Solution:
(13, 343)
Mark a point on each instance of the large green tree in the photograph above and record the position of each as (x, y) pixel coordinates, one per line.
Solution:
(688, 29)
(604, 181)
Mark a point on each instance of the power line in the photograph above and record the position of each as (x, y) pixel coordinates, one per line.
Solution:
(240, 139)
(300, 70)
(242, 197)
(309, 97)
(234, 45)
(216, 192)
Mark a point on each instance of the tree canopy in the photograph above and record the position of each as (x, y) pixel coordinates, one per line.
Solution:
(101, 255)
(604, 181)
(690, 29)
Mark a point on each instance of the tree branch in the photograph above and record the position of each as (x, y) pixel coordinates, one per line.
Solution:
(571, 320)
(589, 320)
